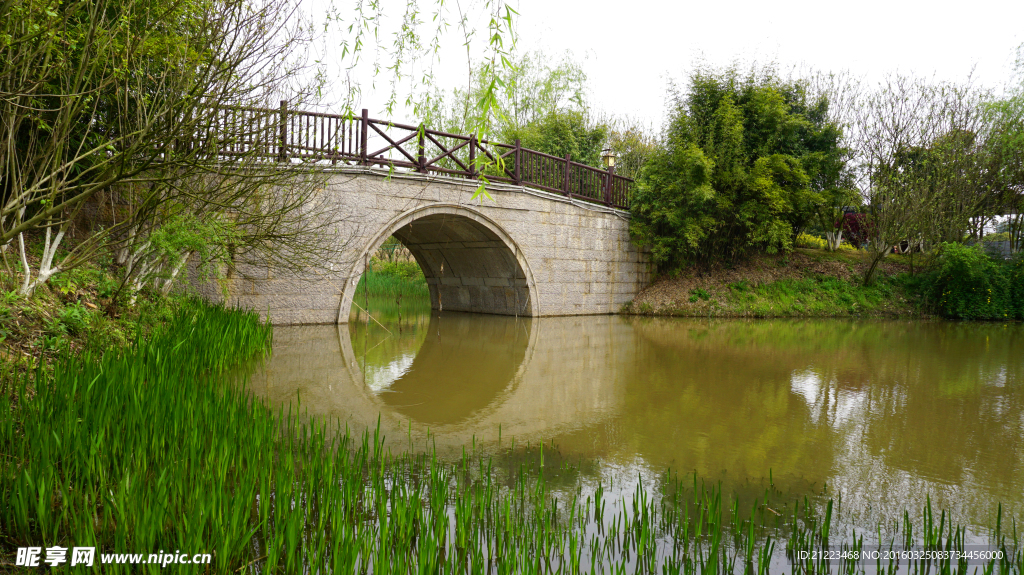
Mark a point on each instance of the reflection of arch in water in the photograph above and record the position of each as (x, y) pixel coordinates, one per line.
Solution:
(569, 378)
(469, 262)
(483, 359)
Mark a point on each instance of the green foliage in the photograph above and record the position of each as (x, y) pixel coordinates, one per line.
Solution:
(545, 108)
(404, 270)
(804, 240)
(84, 54)
(392, 279)
(970, 285)
(997, 237)
(74, 318)
(185, 233)
(746, 164)
(699, 293)
(561, 133)
(809, 241)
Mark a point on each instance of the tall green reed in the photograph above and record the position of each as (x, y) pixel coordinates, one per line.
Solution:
(386, 281)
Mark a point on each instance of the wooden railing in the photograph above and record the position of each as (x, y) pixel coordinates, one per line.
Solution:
(287, 135)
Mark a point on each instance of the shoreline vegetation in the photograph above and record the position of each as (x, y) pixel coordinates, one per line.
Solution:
(156, 446)
(957, 282)
(803, 283)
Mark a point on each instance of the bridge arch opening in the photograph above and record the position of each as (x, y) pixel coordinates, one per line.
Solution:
(470, 263)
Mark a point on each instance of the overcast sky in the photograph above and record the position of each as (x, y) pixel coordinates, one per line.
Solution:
(630, 50)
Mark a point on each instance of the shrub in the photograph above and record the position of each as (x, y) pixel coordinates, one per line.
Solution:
(808, 241)
(699, 293)
(403, 270)
(857, 228)
(970, 285)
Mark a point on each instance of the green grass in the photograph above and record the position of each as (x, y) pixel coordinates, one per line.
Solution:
(824, 296)
(393, 279)
(821, 296)
(835, 290)
(154, 448)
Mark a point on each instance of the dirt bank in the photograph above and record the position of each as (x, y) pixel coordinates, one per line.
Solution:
(804, 283)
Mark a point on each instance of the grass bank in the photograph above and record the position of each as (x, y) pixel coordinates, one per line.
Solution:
(74, 312)
(393, 279)
(804, 283)
(154, 447)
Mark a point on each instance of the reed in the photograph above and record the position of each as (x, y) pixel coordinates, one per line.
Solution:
(155, 448)
(393, 279)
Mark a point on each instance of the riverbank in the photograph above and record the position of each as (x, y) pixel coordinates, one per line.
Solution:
(803, 283)
(74, 312)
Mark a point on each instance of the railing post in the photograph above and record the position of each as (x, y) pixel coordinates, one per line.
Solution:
(421, 158)
(472, 157)
(363, 138)
(608, 179)
(282, 148)
(517, 173)
(568, 164)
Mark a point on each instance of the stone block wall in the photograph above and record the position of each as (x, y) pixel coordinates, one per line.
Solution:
(526, 252)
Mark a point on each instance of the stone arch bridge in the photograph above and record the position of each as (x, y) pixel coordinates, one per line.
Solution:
(532, 249)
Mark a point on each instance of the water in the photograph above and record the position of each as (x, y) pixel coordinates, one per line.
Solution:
(885, 413)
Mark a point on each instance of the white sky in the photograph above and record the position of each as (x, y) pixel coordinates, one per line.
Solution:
(630, 50)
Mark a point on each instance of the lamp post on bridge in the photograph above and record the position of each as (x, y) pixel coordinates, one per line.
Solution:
(608, 158)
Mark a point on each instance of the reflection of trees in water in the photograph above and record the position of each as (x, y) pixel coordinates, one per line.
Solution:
(958, 413)
(936, 402)
(698, 400)
(886, 411)
(384, 354)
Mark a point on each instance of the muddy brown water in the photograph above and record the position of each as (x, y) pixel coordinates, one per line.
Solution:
(886, 413)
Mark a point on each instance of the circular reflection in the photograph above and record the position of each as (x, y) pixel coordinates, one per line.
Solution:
(446, 371)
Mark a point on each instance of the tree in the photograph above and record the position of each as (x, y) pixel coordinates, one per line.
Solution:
(746, 163)
(543, 106)
(132, 95)
(1007, 117)
(633, 143)
(150, 102)
(563, 133)
(931, 162)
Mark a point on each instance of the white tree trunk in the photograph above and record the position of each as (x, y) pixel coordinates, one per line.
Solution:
(46, 267)
(140, 279)
(164, 284)
(7, 244)
(833, 239)
(123, 254)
